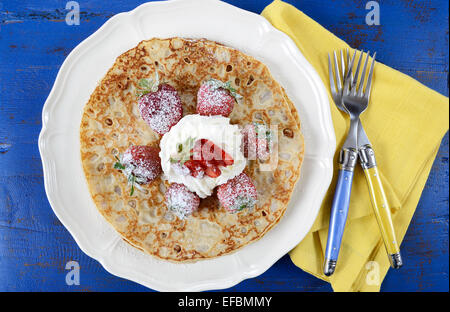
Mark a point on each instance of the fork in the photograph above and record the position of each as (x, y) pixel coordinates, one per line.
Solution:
(337, 94)
(347, 161)
(355, 99)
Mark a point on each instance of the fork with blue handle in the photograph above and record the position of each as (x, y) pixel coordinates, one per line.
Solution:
(352, 98)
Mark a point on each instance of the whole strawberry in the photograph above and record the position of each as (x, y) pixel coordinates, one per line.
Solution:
(237, 194)
(257, 141)
(215, 97)
(140, 164)
(159, 105)
(181, 201)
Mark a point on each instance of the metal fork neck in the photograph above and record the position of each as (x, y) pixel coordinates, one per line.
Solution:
(367, 157)
(352, 136)
(347, 159)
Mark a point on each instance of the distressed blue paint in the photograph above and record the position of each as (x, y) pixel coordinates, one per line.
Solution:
(34, 40)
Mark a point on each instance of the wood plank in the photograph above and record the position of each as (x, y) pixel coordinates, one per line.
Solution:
(34, 41)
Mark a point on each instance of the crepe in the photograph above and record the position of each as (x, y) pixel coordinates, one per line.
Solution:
(111, 123)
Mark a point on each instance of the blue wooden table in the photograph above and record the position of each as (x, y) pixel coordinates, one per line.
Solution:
(34, 41)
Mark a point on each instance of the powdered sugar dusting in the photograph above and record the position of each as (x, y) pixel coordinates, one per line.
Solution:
(214, 100)
(143, 162)
(237, 194)
(192, 128)
(181, 201)
(180, 169)
(161, 109)
(256, 141)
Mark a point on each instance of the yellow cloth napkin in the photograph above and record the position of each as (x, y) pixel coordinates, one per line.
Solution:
(405, 122)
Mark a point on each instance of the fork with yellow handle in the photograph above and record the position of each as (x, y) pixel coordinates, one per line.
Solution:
(355, 98)
(380, 205)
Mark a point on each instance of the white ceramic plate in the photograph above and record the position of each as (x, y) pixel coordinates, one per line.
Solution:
(59, 144)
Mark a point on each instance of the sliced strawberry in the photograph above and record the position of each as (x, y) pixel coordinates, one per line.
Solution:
(195, 167)
(213, 171)
(206, 158)
(211, 151)
(226, 159)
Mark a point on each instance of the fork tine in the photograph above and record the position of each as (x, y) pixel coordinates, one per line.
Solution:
(363, 75)
(330, 69)
(349, 78)
(338, 74)
(344, 73)
(369, 80)
(348, 65)
(355, 82)
(348, 61)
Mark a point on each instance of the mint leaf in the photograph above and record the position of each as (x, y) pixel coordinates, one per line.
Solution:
(132, 179)
(183, 151)
(119, 166)
(144, 84)
(147, 85)
(216, 84)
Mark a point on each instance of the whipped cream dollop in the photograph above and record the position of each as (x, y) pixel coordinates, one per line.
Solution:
(216, 129)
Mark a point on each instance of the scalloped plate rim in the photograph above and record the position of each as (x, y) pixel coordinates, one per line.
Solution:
(78, 233)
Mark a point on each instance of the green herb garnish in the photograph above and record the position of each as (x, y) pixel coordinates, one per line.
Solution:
(147, 85)
(128, 173)
(131, 179)
(216, 84)
(264, 132)
(183, 151)
(118, 164)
